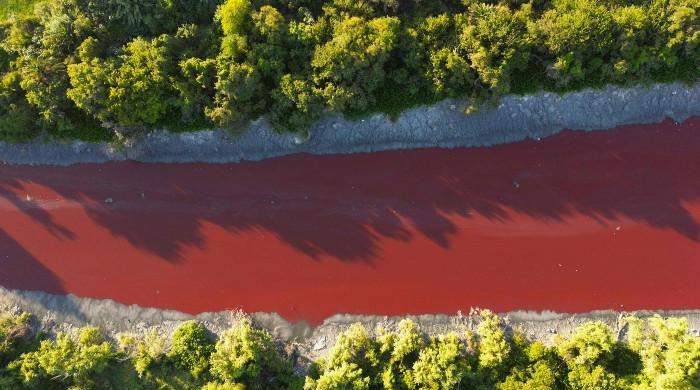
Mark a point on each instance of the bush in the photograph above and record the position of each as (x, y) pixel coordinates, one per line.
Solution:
(16, 335)
(248, 356)
(76, 359)
(191, 348)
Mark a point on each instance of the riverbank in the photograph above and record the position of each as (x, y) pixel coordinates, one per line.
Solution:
(63, 312)
(442, 125)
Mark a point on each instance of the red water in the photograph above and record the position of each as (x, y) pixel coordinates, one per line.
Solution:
(575, 222)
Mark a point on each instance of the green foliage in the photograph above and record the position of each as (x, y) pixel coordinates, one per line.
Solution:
(73, 359)
(297, 104)
(222, 386)
(590, 344)
(400, 351)
(351, 364)
(350, 67)
(347, 376)
(143, 352)
(541, 369)
(670, 356)
(16, 335)
(240, 94)
(249, 356)
(15, 8)
(71, 66)
(191, 347)
(493, 346)
(233, 16)
(578, 38)
(442, 365)
(18, 119)
(131, 90)
(450, 73)
(655, 353)
(497, 43)
(638, 45)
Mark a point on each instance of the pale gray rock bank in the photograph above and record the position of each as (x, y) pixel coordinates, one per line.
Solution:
(442, 125)
(64, 312)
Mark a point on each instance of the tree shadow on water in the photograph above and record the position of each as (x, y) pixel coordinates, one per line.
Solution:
(344, 206)
(20, 270)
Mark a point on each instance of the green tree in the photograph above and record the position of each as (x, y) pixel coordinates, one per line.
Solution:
(139, 89)
(131, 90)
(191, 348)
(75, 360)
(18, 119)
(442, 365)
(541, 370)
(16, 334)
(240, 94)
(497, 42)
(347, 376)
(350, 67)
(588, 352)
(577, 37)
(637, 44)
(353, 363)
(296, 104)
(684, 32)
(145, 351)
(249, 356)
(670, 355)
(399, 352)
(222, 386)
(196, 88)
(494, 348)
(234, 16)
(432, 51)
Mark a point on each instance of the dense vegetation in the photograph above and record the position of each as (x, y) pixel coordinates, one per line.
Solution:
(653, 354)
(80, 68)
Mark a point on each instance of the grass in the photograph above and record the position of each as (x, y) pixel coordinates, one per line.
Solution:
(16, 7)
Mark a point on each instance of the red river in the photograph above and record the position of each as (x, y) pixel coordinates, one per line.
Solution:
(575, 222)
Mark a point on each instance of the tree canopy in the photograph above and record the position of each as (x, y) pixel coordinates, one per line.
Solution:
(116, 64)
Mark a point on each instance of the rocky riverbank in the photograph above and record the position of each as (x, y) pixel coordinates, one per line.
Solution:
(442, 125)
(63, 312)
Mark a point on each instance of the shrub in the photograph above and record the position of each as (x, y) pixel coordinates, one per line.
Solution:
(143, 352)
(16, 335)
(442, 365)
(75, 359)
(191, 348)
(249, 356)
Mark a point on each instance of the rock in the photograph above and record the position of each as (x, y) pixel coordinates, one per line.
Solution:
(320, 344)
(109, 200)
